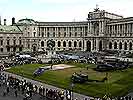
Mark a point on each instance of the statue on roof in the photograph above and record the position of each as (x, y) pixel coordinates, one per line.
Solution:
(96, 9)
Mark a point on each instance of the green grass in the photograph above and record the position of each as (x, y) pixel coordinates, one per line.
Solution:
(118, 84)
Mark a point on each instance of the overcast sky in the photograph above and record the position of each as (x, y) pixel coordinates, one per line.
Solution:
(61, 10)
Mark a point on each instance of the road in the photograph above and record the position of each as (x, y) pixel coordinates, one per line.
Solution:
(75, 95)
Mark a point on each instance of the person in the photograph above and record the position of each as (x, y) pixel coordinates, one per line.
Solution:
(7, 89)
(51, 66)
(16, 92)
(4, 92)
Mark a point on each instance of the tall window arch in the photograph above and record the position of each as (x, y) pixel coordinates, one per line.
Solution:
(42, 43)
(110, 45)
(75, 44)
(115, 45)
(120, 45)
(64, 44)
(59, 34)
(59, 43)
(80, 44)
(64, 34)
(125, 46)
(70, 43)
(130, 46)
(70, 34)
(48, 34)
(75, 34)
(53, 34)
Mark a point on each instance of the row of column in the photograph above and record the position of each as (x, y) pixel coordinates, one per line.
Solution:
(120, 28)
(45, 30)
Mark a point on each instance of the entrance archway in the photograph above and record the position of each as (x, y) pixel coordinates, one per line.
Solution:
(88, 45)
(100, 45)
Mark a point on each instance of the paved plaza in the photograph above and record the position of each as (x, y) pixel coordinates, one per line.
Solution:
(36, 96)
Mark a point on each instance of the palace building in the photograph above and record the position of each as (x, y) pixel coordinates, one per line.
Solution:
(101, 31)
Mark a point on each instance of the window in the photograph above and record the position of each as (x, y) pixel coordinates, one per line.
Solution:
(70, 43)
(69, 28)
(34, 33)
(65, 34)
(14, 42)
(28, 45)
(75, 44)
(14, 49)
(20, 42)
(85, 33)
(75, 28)
(75, 34)
(54, 34)
(8, 42)
(28, 34)
(1, 49)
(64, 44)
(48, 34)
(42, 34)
(81, 34)
(8, 49)
(70, 34)
(59, 34)
(80, 44)
(1, 42)
(59, 29)
(59, 43)
(42, 44)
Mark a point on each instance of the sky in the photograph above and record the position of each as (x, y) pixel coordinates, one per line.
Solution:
(60, 10)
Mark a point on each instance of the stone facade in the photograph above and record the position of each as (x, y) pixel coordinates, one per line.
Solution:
(102, 30)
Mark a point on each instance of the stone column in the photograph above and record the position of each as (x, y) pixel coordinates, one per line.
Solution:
(124, 29)
(127, 29)
(100, 25)
(91, 28)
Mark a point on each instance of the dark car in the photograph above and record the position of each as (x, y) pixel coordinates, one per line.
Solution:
(79, 78)
(104, 67)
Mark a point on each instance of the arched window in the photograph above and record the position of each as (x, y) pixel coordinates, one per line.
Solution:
(65, 34)
(81, 34)
(64, 44)
(115, 45)
(110, 45)
(48, 34)
(125, 46)
(75, 44)
(42, 44)
(120, 45)
(54, 34)
(70, 34)
(130, 46)
(59, 43)
(75, 34)
(80, 44)
(59, 34)
(70, 43)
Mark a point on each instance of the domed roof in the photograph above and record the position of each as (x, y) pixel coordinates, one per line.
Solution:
(26, 21)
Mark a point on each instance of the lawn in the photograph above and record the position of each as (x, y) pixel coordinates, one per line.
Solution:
(118, 84)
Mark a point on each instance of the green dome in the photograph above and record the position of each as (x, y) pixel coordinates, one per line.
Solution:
(26, 21)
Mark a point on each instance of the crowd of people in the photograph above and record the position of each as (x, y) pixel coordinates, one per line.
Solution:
(27, 89)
